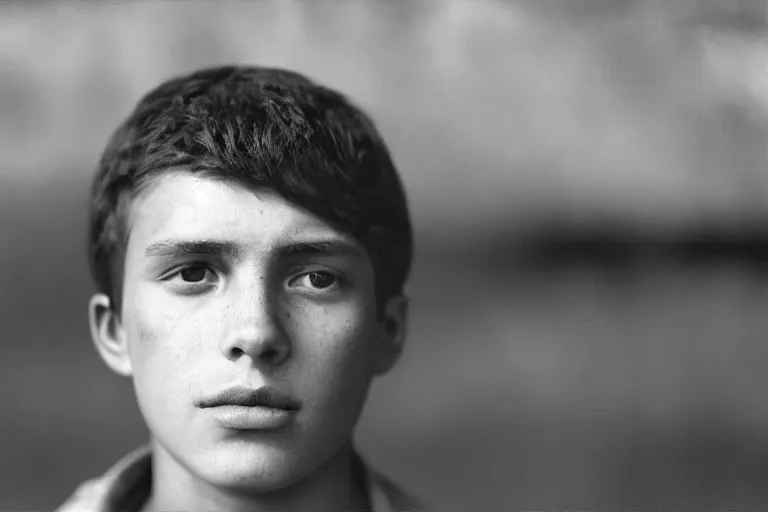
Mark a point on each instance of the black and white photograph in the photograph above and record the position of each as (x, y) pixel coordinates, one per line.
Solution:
(384, 256)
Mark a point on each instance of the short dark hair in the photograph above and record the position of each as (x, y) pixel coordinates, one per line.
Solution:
(261, 127)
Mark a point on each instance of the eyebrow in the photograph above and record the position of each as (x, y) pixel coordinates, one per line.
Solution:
(170, 248)
(182, 247)
(330, 247)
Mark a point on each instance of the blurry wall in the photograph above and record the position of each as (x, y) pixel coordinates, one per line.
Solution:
(588, 184)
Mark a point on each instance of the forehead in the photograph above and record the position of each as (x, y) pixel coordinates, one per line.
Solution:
(186, 206)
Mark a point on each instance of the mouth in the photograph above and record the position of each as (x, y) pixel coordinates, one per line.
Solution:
(241, 408)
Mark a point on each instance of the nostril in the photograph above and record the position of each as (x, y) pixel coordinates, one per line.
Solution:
(269, 354)
(264, 353)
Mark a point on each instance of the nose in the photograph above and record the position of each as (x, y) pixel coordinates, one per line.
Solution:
(256, 333)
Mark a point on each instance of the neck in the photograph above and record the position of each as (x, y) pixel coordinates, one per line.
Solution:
(334, 486)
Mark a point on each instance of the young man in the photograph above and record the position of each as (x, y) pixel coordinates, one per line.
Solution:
(250, 239)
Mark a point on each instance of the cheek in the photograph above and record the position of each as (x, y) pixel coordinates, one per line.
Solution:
(335, 344)
(161, 337)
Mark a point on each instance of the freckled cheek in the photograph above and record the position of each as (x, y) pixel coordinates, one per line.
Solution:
(163, 331)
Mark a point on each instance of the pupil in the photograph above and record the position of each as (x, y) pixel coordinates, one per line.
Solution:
(321, 279)
(194, 274)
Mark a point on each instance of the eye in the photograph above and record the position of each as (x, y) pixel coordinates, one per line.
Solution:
(192, 276)
(319, 280)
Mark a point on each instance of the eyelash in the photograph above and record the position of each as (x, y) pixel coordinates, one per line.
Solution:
(191, 286)
(337, 280)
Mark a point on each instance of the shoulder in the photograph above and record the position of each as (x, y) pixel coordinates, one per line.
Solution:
(88, 496)
(123, 487)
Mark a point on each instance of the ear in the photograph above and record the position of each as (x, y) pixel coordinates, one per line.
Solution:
(108, 335)
(394, 324)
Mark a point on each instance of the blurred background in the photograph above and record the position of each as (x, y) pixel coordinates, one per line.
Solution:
(588, 184)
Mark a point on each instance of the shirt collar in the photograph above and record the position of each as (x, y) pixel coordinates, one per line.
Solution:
(126, 486)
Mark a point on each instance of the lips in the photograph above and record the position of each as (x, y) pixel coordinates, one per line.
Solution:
(247, 397)
(243, 408)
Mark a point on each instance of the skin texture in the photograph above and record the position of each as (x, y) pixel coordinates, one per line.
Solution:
(250, 305)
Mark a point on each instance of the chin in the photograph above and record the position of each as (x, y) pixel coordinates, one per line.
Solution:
(250, 467)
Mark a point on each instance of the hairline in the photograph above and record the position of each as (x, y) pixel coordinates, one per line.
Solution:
(148, 144)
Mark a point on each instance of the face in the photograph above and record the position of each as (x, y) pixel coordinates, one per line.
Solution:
(250, 329)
